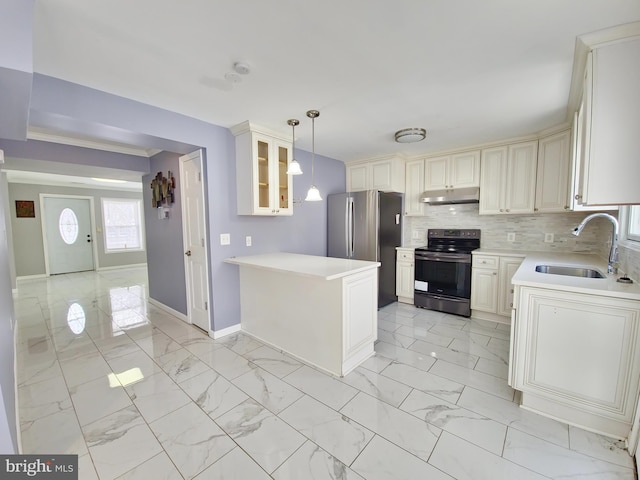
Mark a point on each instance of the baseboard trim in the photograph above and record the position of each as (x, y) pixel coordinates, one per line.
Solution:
(30, 277)
(118, 267)
(168, 309)
(215, 334)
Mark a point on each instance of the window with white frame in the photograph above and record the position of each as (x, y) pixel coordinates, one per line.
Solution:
(633, 223)
(122, 218)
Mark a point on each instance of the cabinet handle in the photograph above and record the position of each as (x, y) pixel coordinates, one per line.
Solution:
(566, 207)
(494, 273)
(535, 209)
(508, 210)
(501, 210)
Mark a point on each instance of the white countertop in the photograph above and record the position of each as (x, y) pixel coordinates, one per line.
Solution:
(504, 253)
(527, 275)
(327, 268)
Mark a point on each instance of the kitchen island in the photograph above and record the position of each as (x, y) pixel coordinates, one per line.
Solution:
(321, 310)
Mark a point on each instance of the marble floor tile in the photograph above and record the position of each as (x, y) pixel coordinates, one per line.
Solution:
(455, 357)
(84, 369)
(558, 462)
(55, 433)
(86, 470)
(376, 363)
(465, 461)
(159, 467)
(387, 326)
(379, 386)
(424, 381)
(335, 433)
(227, 363)
(235, 465)
(401, 428)
(265, 437)
(181, 365)
(510, 414)
(474, 327)
(156, 395)
(497, 369)
(402, 355)
(267, 389)
(599, 446)
(98, 398)
(119, 442)
(273, 361)
(213, 393)
(240, 343)
(201, 345)
(137, 360)
(192, 440)
(478, 380)
(382, 460)
(496, 354)
(43, 398)
(454, 332)
(37, 371)
(423, 333)
(459, 421)
(395, 338)
(157, 344)
(117, 346)
(321, 386)
(312, 462)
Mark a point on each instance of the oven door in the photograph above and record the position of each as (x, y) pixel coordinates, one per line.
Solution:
(443, 274)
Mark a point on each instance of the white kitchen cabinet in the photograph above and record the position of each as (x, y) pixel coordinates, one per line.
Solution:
(386, 175)
(414, 187)
(609, 126)
(575, 357)
(262, 160)
(552, 178)
(491, 288)
(459, 170)
(405, 274)
(508, 179)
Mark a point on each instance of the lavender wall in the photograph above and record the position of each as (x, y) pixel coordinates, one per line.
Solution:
(8, 439)
(164, 239)
(79, 108)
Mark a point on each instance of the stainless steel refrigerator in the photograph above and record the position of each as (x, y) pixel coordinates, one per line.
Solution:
(367, 226)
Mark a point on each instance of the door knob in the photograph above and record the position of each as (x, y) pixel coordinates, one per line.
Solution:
(188, 253)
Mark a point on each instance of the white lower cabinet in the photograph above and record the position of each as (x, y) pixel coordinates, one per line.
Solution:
(405, 272)
(491, 288)
(576, 357)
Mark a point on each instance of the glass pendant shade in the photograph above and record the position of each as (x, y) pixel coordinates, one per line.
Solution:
(313, 195)
(294, 168)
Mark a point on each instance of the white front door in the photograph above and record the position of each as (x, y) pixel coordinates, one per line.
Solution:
(68, 234)
(194, 238)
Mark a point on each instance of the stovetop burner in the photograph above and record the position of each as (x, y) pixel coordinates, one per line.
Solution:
(451, 241)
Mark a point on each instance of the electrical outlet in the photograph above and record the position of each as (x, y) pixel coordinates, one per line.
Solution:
(511, 237)
(548, 238)
(247, 240)
(225, 239)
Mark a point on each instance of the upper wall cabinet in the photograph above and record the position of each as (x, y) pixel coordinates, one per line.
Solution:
(387, 175)
(552, 179)
(508, 179)
(414, 187)
(458, 170)
(262, 160)
(609, 124)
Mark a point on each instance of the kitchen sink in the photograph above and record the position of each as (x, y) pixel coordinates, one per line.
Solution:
(570, 271)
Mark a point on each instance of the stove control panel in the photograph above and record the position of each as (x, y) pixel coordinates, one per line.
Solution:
(451, 233)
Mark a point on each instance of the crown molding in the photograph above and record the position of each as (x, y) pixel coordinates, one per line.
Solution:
(92, 144)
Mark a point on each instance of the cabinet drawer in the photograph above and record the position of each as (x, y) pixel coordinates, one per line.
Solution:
(485, 261)
(405, 256)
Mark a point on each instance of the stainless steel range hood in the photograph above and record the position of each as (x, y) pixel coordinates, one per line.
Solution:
(451, 196)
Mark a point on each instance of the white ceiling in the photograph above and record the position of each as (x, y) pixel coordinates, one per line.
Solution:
(468, 71)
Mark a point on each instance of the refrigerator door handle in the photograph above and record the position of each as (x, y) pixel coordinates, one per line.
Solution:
(350, 246)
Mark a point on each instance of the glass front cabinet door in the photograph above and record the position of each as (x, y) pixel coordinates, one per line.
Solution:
(262, 160)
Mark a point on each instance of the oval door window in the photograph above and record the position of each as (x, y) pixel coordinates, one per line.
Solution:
(68, 225)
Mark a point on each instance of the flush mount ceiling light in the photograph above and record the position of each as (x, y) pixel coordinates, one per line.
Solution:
(294, 166)
(241, 68)
(313, 195)
(410, 135)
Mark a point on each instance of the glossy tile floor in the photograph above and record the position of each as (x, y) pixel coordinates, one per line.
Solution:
(138, 394)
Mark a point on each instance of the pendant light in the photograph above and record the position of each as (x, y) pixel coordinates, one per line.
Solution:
(294, 166)
(313, 195)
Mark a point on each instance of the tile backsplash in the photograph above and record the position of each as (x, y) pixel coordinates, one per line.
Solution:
(529, 230)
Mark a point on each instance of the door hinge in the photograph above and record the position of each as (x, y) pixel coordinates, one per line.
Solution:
(199, 176)
(206, 305)
(202, 240)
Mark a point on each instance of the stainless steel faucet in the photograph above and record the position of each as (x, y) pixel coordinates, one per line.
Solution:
(613, 253)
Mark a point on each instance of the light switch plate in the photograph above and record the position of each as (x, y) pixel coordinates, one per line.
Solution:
(247, 240)
(511, 237)
(225, 239)
(548, 238)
